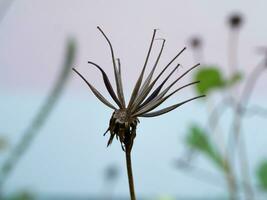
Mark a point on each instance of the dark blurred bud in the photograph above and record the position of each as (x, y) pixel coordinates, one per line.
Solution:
(195, 42)
(111, 173)
(183, 164)
(235, 20)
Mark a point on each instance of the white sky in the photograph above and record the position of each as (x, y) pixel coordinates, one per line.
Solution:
(33, 34)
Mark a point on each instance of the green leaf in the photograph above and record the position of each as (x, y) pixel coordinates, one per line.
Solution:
(210, 78)
(262, 175)
(197, 139)
(234, 79)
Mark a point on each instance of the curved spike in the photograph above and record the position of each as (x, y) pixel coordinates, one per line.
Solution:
(120, 85)
(116, 73)
(106, 131)
(149, 77)
(96, 93)
(139, 81)
(182, 87)
(156, 79)
(175, 57)
(107, 84)
(158, 101)
(145, 89)
(170, 108)
(170, 86)
(119, 65)
(158, 89)
(186, 72)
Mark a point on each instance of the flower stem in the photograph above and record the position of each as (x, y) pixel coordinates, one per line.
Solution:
(230, 178)
(130, 173)
(35, 126)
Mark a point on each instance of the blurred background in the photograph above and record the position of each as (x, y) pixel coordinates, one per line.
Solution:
(51, 125)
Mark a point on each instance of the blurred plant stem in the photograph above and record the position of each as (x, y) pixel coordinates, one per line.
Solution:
(198, 173)
(111, 176)
(39, 120)
(3, 143)
(233, 51)
(213, 120)
(213, 80)
(215, 127)
(215, 114)
(231, 180)
(242, 154)
(4, 7)
(239, 113)
(228, 172)
(129, 171)
(236, 128)
(235, 23)
(196, 45)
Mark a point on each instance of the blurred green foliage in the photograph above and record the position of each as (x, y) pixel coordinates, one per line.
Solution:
(42, 115)
(262, 175)
(235, 78)
(3, 143)
(23, 195)
(166, 198)
(198, 140)
(212, 78)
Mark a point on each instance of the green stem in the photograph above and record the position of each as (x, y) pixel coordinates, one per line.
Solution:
(243, 161)
(130, 173)
(229, 175)
(31, 132)
(231, 182)
(238, 138)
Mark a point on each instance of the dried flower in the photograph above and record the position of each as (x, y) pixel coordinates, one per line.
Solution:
(143, 100)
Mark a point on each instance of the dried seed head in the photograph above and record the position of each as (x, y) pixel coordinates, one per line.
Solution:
(123, 126)
(121, 116)
(144, 98)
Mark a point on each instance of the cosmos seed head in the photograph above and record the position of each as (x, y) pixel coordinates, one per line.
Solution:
(121, 116)
(144, 98)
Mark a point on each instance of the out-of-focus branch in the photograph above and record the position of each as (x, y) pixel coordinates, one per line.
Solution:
(256, 110)
(235, 139)
(218, 111)
(4, 7)
(3, 143)
(198, 173)
(221, 107)
(39, 120)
